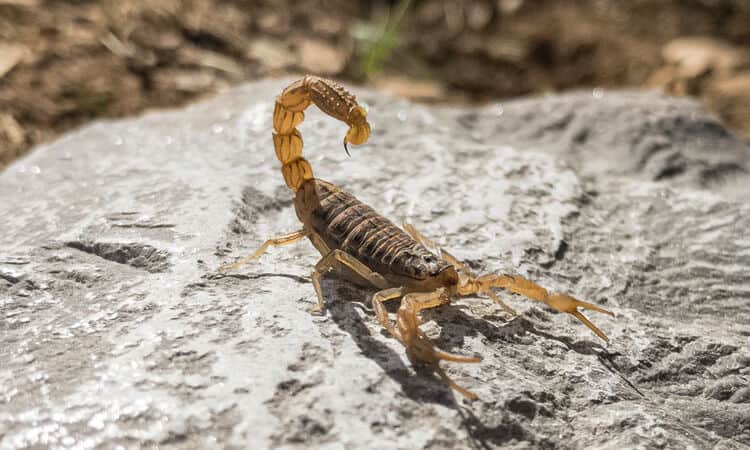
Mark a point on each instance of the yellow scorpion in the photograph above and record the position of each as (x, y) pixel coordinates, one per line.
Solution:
(366, 248)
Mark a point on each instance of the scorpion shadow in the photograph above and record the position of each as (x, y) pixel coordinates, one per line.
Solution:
(424, 386)
(496, 329)
(343, 302)
(520, 325)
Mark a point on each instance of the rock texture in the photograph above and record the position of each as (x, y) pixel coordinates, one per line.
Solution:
(117, 330)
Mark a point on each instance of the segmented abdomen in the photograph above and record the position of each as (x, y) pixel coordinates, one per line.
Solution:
(347, 224)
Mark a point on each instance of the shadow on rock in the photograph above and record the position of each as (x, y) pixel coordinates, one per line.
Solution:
(504, 433)
(520, 325)
(425, 386)
(606, 358)
(342, 305)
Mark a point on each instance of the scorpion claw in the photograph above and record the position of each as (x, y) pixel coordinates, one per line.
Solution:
(419, 347)
(421, 350)
(559, 302)
(567, 304)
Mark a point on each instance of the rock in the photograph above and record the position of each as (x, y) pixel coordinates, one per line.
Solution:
(12, 137)
(711, 69)
(117, 328)
(731, 98)
(10, 55)
(694, 56)
(648, 137)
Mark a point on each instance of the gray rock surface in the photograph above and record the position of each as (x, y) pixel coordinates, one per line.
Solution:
(116, 328)
(647, 137)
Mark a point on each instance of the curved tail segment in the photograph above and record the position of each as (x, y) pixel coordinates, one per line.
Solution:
(333, 100)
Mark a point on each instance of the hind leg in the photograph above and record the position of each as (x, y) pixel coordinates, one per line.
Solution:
(286, 239)
(336, 259)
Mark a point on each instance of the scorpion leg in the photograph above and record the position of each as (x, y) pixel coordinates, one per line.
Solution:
(334, 259)
(443, 253)
(500, 302)
(419, 347)
(381, 297)
(460, 266)
(273, 242)
(559, 302)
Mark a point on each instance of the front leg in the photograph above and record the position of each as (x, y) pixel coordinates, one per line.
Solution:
(419, 347)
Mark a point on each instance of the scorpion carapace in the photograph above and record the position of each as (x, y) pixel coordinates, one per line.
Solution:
(365, 247)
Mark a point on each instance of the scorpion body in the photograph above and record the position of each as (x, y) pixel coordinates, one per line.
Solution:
(366, 248)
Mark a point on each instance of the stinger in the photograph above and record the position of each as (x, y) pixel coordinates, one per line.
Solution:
(288, 113)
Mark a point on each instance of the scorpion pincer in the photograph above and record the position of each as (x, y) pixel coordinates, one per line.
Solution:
(365, 247)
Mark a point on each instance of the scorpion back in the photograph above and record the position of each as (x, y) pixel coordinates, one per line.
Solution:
(347, 224)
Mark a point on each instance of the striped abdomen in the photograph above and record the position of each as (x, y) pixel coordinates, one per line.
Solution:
(346, 223)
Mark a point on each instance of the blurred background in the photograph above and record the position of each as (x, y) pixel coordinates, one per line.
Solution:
(64, 63)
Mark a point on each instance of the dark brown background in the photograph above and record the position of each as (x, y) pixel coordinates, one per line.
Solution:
(65, 63)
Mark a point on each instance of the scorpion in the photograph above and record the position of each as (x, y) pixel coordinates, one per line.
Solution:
(365, 248)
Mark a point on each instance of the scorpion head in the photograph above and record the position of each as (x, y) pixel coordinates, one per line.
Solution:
(420, 266)
(440, 269)
(433, 265)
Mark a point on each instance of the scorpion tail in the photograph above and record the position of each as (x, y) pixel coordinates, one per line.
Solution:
(288, 112)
